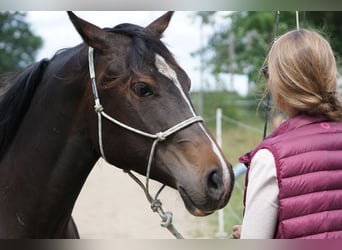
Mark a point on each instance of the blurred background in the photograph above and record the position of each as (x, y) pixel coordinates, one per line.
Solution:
(222, 52)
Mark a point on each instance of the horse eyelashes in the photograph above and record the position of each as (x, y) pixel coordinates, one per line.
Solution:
(142, 89)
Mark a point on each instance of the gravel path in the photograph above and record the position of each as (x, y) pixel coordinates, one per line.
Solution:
(112, 206)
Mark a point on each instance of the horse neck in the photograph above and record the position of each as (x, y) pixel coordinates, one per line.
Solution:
(51, 156)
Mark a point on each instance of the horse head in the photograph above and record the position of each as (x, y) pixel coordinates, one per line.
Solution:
(140, 84)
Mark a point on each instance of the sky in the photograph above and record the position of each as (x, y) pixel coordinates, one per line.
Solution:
(182, 37)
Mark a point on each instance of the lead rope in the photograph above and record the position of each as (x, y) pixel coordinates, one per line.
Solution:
(155, 203)
(268, 98)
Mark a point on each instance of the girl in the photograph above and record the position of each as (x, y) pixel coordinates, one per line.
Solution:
(294, 177)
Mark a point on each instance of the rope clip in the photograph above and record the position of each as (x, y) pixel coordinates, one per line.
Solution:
(167, 219)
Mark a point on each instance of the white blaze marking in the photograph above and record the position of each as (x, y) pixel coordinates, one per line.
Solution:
(167, 71)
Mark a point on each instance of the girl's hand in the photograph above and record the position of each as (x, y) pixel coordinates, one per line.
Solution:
(236, 231)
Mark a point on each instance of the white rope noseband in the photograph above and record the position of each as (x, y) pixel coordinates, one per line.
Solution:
(158, 137)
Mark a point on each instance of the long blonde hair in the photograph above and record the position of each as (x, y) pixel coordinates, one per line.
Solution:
(303, 75)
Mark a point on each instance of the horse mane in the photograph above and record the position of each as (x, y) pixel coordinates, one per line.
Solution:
(143, 43)
(15, 101)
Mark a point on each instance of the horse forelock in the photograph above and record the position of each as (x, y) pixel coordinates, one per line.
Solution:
(145, 45)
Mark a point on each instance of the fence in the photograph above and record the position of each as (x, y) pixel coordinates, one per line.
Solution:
(239, 170)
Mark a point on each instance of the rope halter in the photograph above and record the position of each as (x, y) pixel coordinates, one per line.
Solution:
(156, 204)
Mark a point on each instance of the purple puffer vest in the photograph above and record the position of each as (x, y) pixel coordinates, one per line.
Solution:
(308, 157)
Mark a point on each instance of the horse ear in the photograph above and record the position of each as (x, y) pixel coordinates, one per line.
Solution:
(90, 33)
(158, 26)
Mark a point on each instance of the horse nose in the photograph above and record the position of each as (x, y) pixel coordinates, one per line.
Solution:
(215, 184)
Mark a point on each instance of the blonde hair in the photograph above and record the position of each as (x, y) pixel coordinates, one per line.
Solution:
(303, 75)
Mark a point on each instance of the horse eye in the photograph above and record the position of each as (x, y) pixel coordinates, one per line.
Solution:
(142, 89)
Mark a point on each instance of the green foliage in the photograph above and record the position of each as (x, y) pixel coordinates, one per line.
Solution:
(330, 24)
(241, 42)
(18, 44)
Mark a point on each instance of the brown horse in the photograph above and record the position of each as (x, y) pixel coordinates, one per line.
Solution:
(51, 137)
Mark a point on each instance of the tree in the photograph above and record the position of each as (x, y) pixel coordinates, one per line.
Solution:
(241, 44)
(18, 44)
(330, 22)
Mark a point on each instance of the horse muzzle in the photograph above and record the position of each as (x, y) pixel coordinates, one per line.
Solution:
(211, 194)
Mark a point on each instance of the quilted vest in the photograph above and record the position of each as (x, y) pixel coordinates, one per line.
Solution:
(308, 157)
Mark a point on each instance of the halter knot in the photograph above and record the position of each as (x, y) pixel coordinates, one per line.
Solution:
(98, 108)
(160, 136)
(156, 205)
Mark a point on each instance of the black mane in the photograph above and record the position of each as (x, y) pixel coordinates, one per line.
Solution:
(15, 102)
(143, 43)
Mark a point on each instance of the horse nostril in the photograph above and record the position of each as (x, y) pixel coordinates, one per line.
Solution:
(215, 184)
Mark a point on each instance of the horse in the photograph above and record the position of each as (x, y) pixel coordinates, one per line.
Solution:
(51, 136)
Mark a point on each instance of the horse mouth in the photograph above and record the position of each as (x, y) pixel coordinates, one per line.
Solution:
(191, 206)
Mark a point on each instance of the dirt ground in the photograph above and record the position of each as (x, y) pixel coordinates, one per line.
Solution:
(113, 206)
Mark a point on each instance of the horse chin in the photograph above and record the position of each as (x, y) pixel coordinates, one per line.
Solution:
(190, 205)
